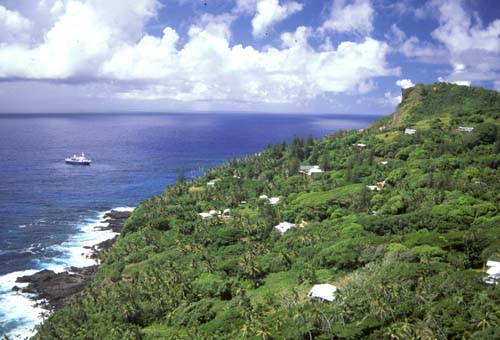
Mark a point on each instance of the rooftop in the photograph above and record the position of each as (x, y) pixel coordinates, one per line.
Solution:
(323, 291)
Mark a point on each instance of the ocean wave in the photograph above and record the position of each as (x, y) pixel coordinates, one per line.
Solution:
(129, 209)
(19, 314)
(32, 249)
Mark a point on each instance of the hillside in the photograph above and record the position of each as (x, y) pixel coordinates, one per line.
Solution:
(448, 102)
(408, 256)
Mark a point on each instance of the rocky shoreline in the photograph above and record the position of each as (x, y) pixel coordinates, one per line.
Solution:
(56, 289)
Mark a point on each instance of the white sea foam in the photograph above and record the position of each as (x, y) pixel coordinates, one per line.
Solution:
(18, 309)
(130, 209)
(76, 250)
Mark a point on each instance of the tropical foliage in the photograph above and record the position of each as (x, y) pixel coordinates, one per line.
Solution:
(408, 258)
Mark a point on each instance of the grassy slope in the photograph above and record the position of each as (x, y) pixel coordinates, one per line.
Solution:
(447, 102)
(408, 258)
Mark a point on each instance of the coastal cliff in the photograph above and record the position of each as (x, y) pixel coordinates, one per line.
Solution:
(400, 217)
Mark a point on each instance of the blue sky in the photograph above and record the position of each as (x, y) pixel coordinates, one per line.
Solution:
(282, 56)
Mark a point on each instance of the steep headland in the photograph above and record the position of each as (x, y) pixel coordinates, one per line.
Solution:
(400, 217)
(448, 102)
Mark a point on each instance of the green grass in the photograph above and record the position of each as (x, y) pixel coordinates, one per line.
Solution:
(338, 195)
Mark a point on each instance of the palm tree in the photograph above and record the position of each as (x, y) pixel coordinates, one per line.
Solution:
(263, 333)
(285, 259)
(250, 268)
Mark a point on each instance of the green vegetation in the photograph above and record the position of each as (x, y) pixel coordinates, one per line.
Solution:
(452, 104)
(408, 259)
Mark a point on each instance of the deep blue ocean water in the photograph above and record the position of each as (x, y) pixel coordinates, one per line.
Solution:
(48, 208)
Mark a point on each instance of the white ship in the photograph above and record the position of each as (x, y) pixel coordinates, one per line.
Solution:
(79, 160)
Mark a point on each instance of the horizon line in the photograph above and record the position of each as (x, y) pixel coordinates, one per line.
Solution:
(191, 112)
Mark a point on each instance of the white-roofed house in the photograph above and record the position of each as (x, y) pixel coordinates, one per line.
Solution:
(410, 131)
(284, 226)
(205, 216)
(315, 170)
(304, 169)
(323, 292)
(465, 128)
(210, 214)
(270, 200)
(309, 170)
(274, 200)
(493, 272)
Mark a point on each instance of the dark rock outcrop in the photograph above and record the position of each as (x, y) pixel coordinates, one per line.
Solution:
(116, 220)
(57, 289)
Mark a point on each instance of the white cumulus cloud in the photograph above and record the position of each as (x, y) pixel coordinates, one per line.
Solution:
(462, 82)
(207, 67)
(267, 13)
(460, 40)
(405, 83)
(459, 34)
(13, 26)
(104, 42)
(395, 35)
(354, 16)
(218, 71)
(456, 82)
(424, 51)
(473, 49)
(150, 58)
(80, 39)
(390, 99)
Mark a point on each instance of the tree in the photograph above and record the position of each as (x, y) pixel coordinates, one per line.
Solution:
(487, 133)
(181, 178)
(293, 166)
(324, 162)
(362, 200)
(297, 148)
(309, 145)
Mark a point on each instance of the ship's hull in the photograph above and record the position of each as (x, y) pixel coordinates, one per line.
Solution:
(77, 163)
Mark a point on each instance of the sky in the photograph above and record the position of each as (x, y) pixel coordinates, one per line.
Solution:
(273, 56)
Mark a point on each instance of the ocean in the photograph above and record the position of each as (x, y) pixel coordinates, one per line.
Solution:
(49, 209)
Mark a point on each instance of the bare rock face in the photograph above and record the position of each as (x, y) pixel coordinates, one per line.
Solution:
(58, 288)
(116, 220)
(42, 276)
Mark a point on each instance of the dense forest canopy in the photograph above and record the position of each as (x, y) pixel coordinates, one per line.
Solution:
(402, 224)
